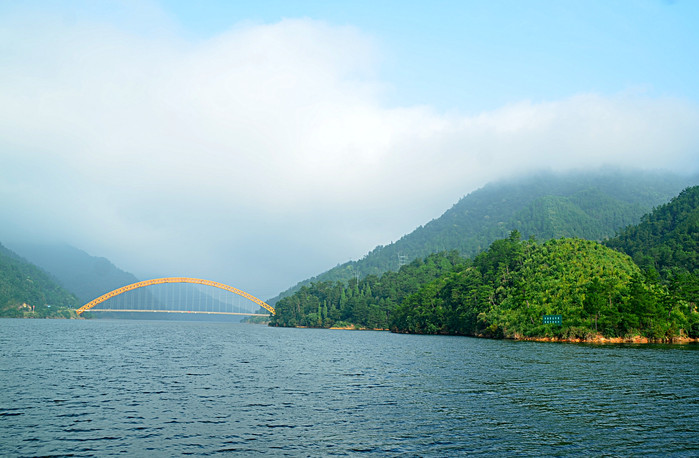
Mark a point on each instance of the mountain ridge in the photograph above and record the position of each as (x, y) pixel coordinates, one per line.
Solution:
(84, 275)
(608, 199)
(597, 291)
(27, 290)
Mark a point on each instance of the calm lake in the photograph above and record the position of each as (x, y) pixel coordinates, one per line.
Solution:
(164, 388)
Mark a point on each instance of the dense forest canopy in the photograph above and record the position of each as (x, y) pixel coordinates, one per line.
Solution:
(666, 240)
(363, 302)
(593, 206)
(507, 289)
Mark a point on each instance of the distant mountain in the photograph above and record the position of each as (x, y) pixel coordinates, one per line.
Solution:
(28, 291)
(589, 205)
(84, 275)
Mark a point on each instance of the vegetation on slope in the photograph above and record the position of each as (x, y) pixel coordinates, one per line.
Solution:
(666, 245)
(363, 303)
(506, 290)
(666, 240)
(591, 206)
(85, 276)
(28, 292)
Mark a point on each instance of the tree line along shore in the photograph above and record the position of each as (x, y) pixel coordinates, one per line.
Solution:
(639, 286)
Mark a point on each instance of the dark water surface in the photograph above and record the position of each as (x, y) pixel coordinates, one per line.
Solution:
(158, 388)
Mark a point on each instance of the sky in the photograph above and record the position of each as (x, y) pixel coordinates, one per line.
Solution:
(261, 143)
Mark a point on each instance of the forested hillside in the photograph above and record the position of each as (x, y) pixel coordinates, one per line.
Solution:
(666, 240)
(592, 206)
(27, 291)
(364, 303)
(85, 276)
(506, 290)
(666, 245)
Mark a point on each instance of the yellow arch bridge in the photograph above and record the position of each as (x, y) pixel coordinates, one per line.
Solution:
(161, 281)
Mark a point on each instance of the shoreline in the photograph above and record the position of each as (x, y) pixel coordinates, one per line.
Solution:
(601, 340)
(598, 339)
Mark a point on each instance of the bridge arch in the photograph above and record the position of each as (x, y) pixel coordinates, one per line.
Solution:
(159, 281)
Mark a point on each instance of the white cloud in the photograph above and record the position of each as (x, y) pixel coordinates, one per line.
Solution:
(268, 144)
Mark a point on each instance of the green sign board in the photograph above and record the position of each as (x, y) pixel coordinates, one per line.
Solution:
(553, 319)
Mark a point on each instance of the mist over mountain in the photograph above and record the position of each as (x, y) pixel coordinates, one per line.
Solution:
(26, 290)
(84, 275)
(592, 205)
(589, 205)
(595, 291)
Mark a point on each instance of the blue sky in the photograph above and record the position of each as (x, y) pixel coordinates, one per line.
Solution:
(479, 55)
(261, 143)
(465, 55)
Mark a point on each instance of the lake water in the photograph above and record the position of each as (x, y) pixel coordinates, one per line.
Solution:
(162, 388)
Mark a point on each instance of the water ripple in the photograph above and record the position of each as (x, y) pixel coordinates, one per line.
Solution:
(168, 388)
